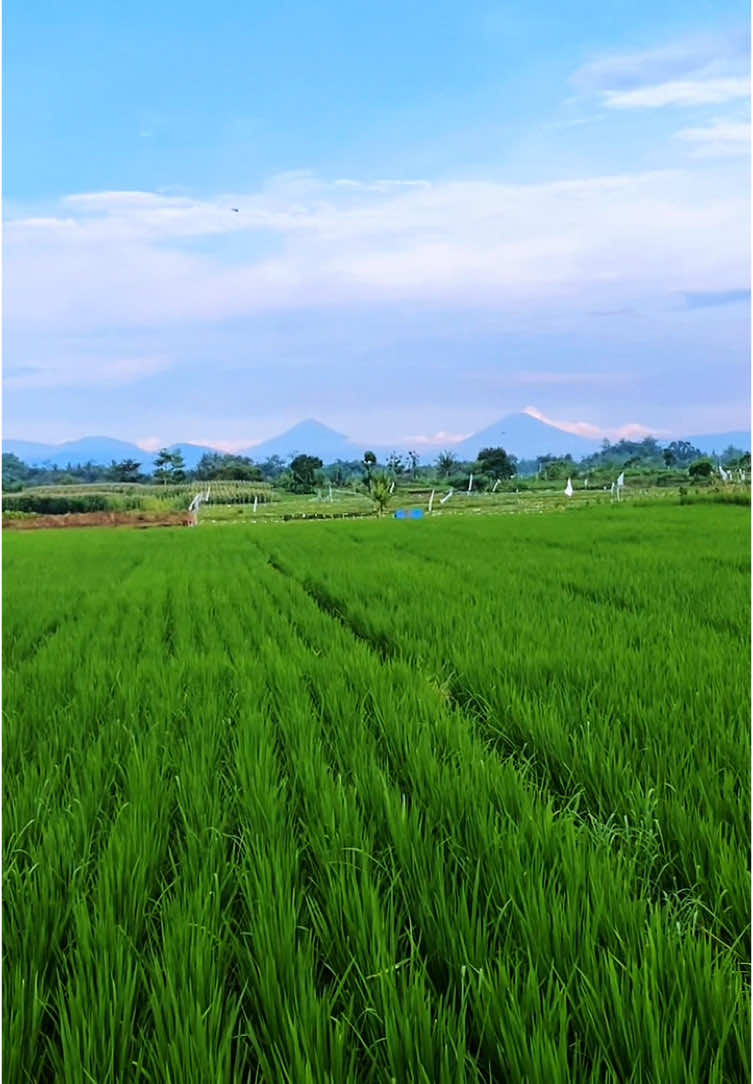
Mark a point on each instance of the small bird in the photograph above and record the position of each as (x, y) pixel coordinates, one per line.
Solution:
(234, 209)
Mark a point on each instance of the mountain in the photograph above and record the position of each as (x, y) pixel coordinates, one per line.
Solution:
(97, 450)
(29, 451)
(520, 434)
(191, 453)
(311, 438)
(88, 449)
(716, 443)
(526, 437)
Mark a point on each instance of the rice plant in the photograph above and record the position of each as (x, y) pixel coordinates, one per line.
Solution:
(456, 800)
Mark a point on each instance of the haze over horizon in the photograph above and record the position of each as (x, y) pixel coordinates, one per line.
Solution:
(443, 215)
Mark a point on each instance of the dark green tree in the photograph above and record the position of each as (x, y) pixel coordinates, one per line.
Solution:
(369, 462)
(215, 465)
(496, 463)
(304, 471)
(272, 468)
(683, 451)
(127, 470)
(395, 464)
(15, 471)
(554, 468)
(446, 462)
(701, 470)
(169, 466)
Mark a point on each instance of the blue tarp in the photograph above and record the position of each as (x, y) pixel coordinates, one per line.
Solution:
(413, 513)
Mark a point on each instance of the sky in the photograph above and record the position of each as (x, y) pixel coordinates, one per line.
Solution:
(445, 213)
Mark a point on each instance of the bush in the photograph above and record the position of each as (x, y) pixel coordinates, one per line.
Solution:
(55, 505)
(701, 470)
(671, 478)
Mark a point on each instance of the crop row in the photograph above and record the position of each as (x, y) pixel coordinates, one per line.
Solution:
(252, 831)
(613, 663)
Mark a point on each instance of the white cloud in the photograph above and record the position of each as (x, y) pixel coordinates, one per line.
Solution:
(99, 371)
(429, 441)
(718, 139)
(681, 92)
(544, 378)
(139, 259)
(700, 56)
(628, 431)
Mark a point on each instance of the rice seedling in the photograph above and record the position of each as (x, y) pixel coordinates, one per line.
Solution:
(465, 801)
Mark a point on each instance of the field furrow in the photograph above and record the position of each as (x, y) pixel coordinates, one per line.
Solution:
(335, 803)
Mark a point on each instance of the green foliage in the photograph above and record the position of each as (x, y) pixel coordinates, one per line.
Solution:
(305, 473)
(701, 470)
(716, 496)
(15, 471)
(344, 472)
(557, 468)
(396, 465)
(55, 505)
(380, 492)
(646, 453)
(496, 463)
(128, 470)
(446, 463)
(354, 802)
(368, 463)
(215, 465)
(169, 467)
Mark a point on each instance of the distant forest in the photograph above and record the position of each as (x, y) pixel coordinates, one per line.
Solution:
(301, 473)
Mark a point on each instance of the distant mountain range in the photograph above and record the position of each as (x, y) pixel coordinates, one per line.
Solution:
(312, 438)
(520, 434)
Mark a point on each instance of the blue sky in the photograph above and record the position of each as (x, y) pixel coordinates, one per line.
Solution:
(446, 212)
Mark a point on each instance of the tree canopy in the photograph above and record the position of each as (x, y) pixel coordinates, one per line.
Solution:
(304, 472)
(496, 463)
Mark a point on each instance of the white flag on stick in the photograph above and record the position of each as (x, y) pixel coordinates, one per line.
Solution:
(621, 480)
(569, 488)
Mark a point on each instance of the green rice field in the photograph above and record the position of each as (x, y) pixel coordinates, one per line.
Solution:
(462, 799)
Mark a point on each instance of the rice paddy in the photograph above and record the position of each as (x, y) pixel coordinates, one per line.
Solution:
(457, 800)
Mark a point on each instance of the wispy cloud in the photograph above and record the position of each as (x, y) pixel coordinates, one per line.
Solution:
(521, 378)
(697, 71)
(704, 299)
(143, 259)
(718, 139)
(629, 431)
(433, 441)
(83, 372)
(711, 55)
(626, 310)
(681, 92)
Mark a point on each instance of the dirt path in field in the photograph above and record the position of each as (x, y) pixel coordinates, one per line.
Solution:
(98, 519)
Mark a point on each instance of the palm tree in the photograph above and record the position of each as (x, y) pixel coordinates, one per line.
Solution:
(380, 493)
(445, 463)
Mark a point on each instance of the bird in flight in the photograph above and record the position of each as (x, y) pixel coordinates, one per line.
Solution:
(234, 209)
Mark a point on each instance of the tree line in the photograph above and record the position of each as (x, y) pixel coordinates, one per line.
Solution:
(304, 473)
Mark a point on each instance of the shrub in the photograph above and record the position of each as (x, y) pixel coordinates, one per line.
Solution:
(55, 505)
